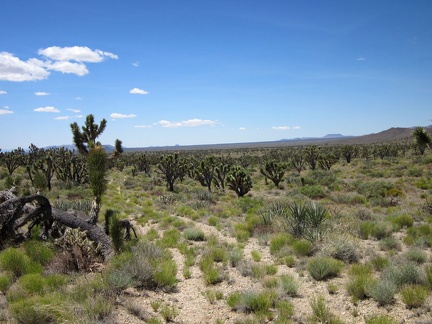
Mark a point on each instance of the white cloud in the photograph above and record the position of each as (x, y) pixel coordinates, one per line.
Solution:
(119, 116)
(142, 126)
(78, 98)
(40, 93)
(136, 64)
(77, 68)
(2, 92)
(48, 109)
(361, 59)
(62, 118)
(6, 111)
(79, 116)
(15, 70)
(74, 110)
(281, 127)
(187, 123)
(75, 53)
(138, 91)
(296, 127)
(242, 128)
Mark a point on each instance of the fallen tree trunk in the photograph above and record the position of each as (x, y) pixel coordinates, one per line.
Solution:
(15, 212)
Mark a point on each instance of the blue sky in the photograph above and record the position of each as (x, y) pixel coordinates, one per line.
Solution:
(203, 72)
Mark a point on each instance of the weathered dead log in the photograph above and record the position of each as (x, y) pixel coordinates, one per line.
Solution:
(15, 212)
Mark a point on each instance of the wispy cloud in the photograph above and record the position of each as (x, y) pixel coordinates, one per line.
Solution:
(360, 59)
(143, 126)
(78, 98)
(47, 109)
(138, 91)
(6, 111)
(242, 128)
(285, 127)
(62, 118)
(40, 93)
(2, 92)
(74, 110)
(120, 116)
(136, 64)
(75, 53)
(187, 123)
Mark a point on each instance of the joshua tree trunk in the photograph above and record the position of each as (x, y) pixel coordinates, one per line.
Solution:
(15, 212)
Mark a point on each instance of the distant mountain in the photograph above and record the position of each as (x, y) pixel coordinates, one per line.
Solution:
(328, 136)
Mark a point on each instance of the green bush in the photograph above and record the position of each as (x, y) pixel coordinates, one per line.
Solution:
(193, 234)
(302, 247)
(17, 262)
(404, 274)
(39, 252)
(379, 262)
(343, 248)
(380, 319)
(357, 286)
(289, 285)
(321, 313)
(252, 301)
(5, 282)
(403, 220)
(414, 296)
(322, 268)
(382, 291)
(278, 241)
(416, 255)
(313, 192)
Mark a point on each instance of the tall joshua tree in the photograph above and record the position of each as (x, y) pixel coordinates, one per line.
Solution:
(97, 160)
(422, 139)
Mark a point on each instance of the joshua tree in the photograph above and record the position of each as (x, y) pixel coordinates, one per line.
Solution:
(239, 181)
(97, 164)
(171, 168)
(274, 171)
(12, 160)
(205, 172)
(86, 139)
(422, 139)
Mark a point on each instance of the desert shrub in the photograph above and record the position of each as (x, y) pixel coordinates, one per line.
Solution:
(269, 213)
(379, 262)
(414, 296)
(170, 238)
(381, 230)
(428, 275)
(168, 312)
(193, 234)
(115, 232)
(382, 291)
(252, 301)
(289, 285)
(41, 309)
(261, 270)
(39, 252)
(342, 247)
(5, 282)
(284, 310)
(404, 274)
(313, 192)
(403, 220)
(278, 241)
(389, 243)
(357, 286)
(256, 256)
(212, 274)
(147, 265)
(321, 313)
(380, 319)
(32, 283)
(322, 268)
(374, 189)
(17, 262)
(302, 247)
(416, 255)
(234, 256)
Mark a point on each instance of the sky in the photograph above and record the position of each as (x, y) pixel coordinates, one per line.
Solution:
(189, 72)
